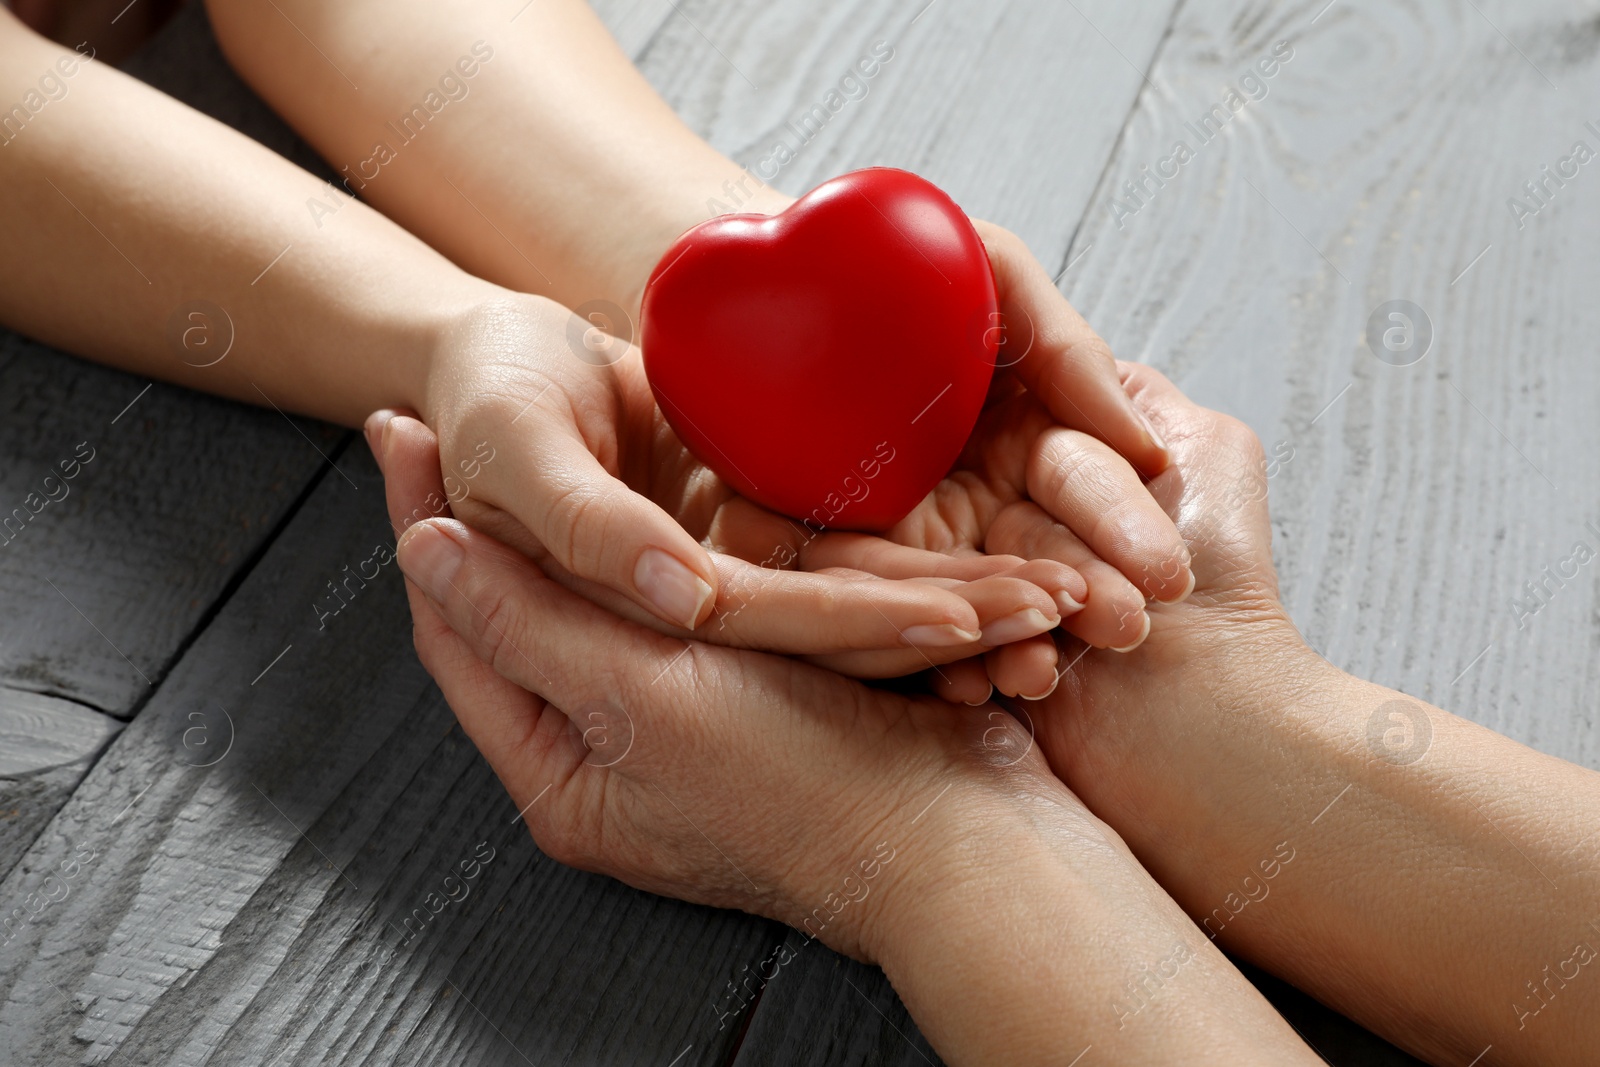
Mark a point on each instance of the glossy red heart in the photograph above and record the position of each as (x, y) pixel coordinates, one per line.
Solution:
(828, 362)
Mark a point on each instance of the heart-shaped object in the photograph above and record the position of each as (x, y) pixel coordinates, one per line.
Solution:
(828, 362)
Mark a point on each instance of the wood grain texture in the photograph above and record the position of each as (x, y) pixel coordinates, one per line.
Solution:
(1419, 499)
(107, 573)
(247, 911)
(46, 747)
(241, 893)
(1410, 502)
(824, 1008)
(1012, 108)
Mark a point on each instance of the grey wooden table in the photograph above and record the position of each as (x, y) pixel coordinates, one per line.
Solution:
(215, 815)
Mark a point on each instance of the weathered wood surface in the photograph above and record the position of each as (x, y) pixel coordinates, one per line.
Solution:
(46, 747)
(108, 572)
(172, 492)
(1378, 168)
(233, 880)
(253, 910)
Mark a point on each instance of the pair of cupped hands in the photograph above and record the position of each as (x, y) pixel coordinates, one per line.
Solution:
(668, 707)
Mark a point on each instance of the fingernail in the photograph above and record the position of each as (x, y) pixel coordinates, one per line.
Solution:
(373, 430)
(1143, 633)
(939, 636)
(677, 593)
(1155, 438)
(1183, 595)
(1015, 627)
(980, 703)
(430, 557)
(1047, 692)
(1065, 604)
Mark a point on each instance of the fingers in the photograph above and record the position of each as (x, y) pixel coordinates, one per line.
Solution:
(745, 529)
(1068, 589)
(1113, 614)
(372, 430)
(963, 682)
(530, 630)
(1094, 491)
(1009, 609)
(1026, 669)
(886, 559)
(599, 529)
(804, 613)
(1062, 361)
(408, 454)
(1218, 489)
(499, 716)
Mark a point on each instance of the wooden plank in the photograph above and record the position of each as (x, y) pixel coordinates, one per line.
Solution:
(46, 747)
(1410, 502)
(128, 510)
(241, 895)
(1012, 107)
(634, 23)
(1417, 501)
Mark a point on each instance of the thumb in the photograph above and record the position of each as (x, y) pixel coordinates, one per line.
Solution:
(1061, 360)
(600, 530)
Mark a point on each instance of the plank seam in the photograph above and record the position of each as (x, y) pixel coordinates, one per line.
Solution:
(205, 620)
(244, 571)
(7, 687)
(1116, 145)
(750, 1016)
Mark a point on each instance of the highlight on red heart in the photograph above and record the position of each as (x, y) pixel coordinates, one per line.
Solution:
(792, 353)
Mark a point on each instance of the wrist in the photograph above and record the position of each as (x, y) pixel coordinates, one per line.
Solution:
(723, 189)
(498, 326)
(1032, 933)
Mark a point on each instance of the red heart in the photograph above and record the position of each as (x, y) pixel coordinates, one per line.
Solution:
(828, 362)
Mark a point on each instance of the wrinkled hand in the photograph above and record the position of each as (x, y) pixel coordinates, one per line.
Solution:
(1118, 726)
(725, 777)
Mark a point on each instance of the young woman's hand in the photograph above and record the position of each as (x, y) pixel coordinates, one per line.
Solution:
(550, 440)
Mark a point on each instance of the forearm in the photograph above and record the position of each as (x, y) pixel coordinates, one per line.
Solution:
(143, 234)
(1433, 879)
(1038, 938)
(518, 140)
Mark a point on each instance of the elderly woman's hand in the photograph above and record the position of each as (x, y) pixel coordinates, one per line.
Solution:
(1350, 838)
(927, 837)
(680, 767)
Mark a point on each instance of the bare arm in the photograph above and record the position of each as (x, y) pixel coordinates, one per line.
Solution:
(126, 208)
(517, 141)
(1434, 880)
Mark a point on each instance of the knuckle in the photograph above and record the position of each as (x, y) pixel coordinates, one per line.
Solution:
(1239, 436)
(577, 532)
(557, 839)
(494, 618)
(1057, 462)
(1085, 352)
